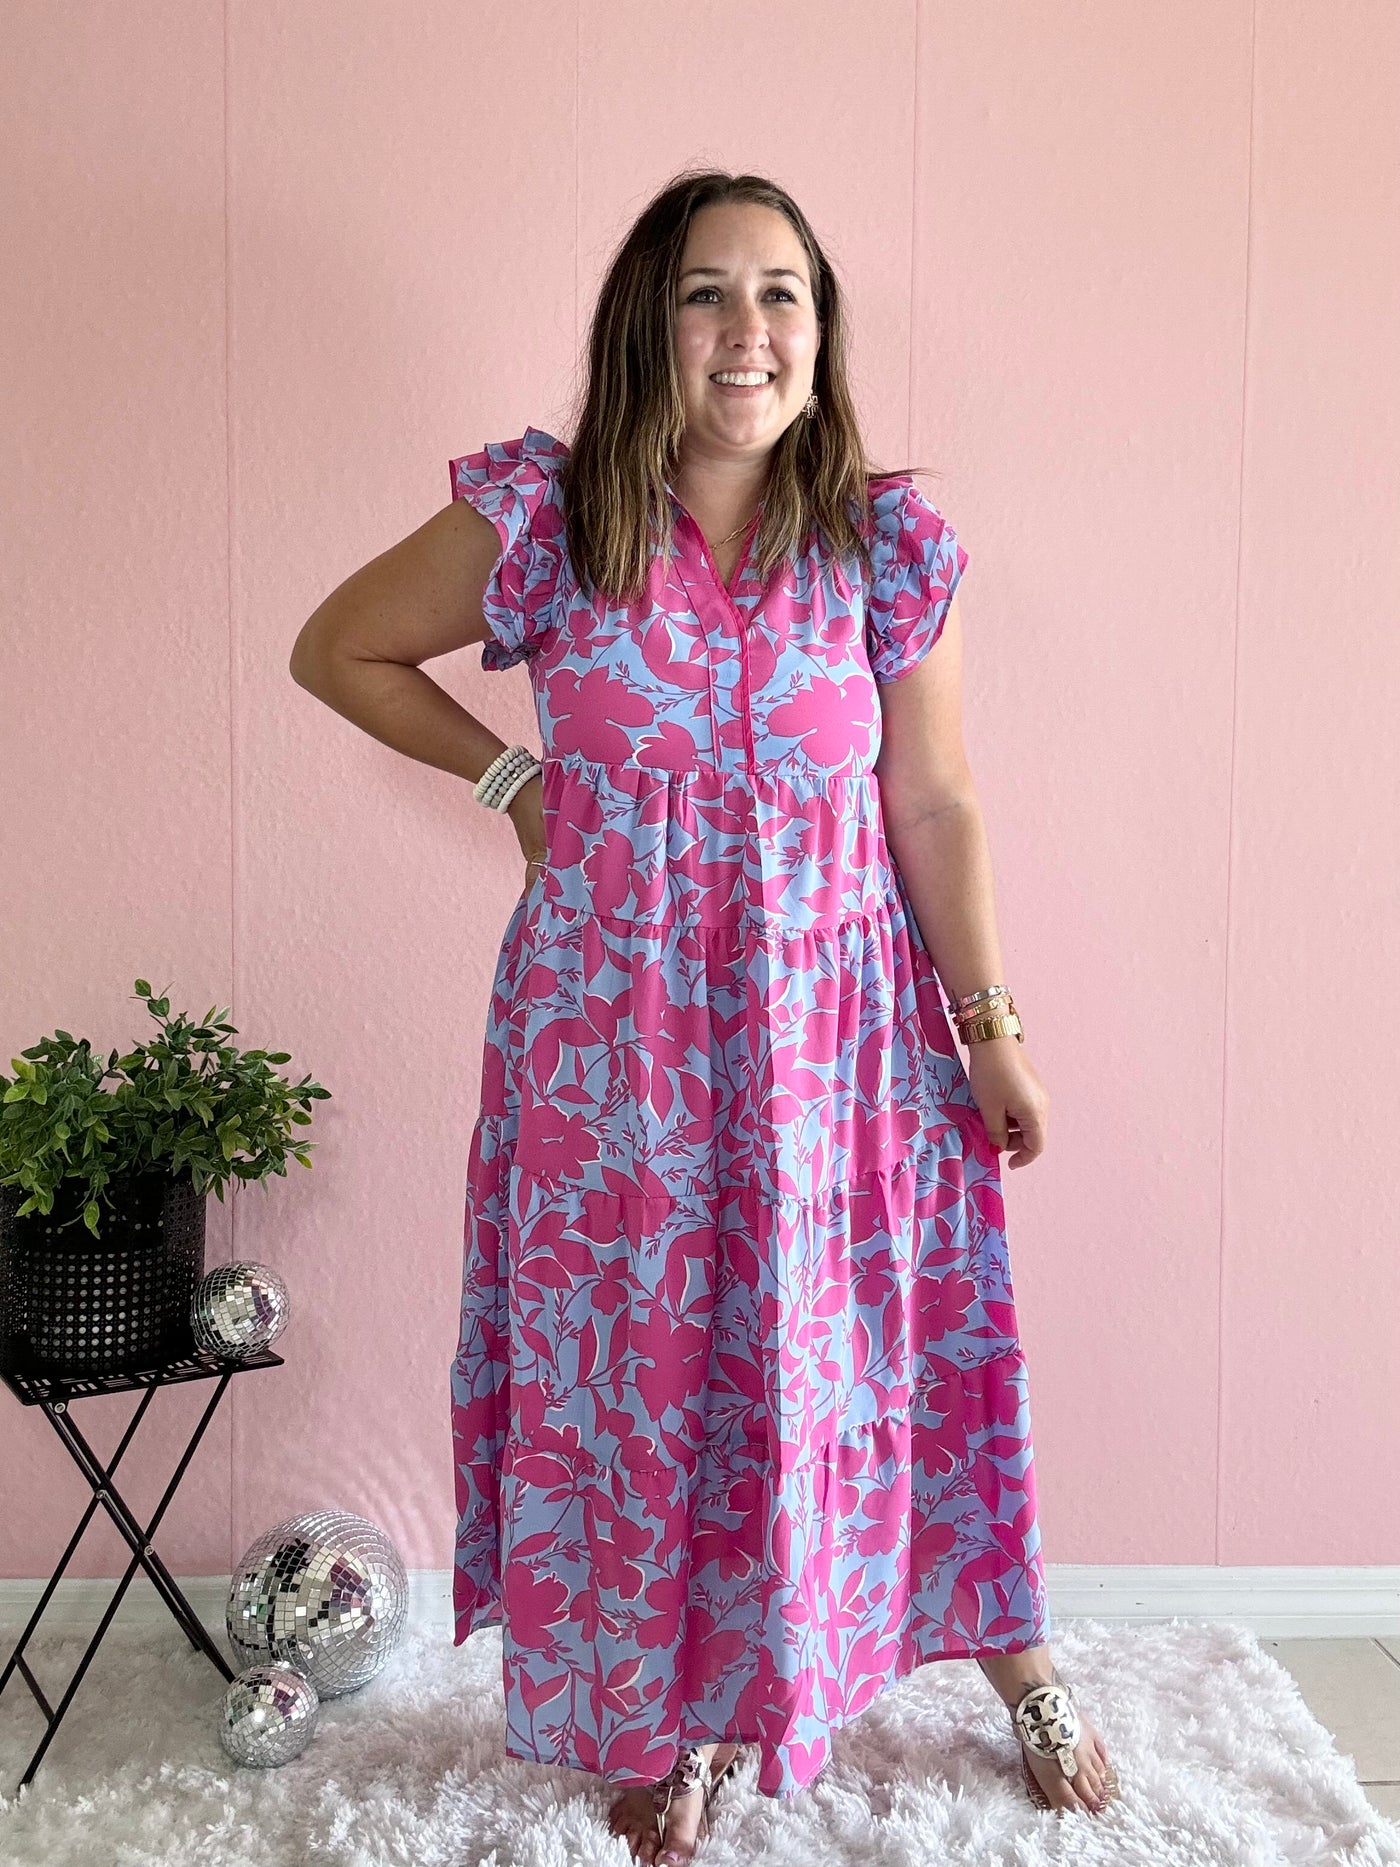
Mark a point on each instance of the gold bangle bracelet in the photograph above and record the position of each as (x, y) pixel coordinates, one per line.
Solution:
(977, 1030)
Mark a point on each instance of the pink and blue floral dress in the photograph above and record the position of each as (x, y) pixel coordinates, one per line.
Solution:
(739, 1410)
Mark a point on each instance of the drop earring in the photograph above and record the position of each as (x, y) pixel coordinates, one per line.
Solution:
(809, 407)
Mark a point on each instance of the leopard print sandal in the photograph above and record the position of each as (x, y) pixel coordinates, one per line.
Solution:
(1046, 1723)
(692, 1771)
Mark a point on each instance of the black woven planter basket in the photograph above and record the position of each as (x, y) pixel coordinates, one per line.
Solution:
(74, 1304)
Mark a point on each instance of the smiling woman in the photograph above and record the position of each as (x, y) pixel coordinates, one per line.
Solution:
(747, 336)
(739, 1407)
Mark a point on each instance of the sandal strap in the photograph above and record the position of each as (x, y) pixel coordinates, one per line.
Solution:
(692, 1771)
(1048, 1725)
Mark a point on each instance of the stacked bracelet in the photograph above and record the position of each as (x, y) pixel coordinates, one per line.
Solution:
(504, 776)
(988, 1013)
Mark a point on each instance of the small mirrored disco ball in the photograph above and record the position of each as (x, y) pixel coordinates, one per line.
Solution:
(327, 1593)
(238, 1309)
(268, 1715)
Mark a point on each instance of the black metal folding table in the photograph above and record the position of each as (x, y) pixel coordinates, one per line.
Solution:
(55, 1396)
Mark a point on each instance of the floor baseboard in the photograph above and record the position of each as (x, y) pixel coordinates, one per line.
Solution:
(1274, 1602)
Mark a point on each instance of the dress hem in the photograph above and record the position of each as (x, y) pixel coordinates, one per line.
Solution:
(911, 1659)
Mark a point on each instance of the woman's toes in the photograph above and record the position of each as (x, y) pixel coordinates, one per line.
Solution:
(1073, 1795)
(1103, 1791)
(629, 1818)
(1087, 1791)
(1058, 1789)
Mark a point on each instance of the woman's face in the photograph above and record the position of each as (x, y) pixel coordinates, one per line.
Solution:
(743, 303)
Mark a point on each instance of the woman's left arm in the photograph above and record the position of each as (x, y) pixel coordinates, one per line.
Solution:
(936, 835)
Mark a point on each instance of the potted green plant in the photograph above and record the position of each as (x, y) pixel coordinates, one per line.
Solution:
(103, 1191)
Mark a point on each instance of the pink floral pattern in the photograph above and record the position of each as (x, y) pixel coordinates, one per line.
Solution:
(739, 1409)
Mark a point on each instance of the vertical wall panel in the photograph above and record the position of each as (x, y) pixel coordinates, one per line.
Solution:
(1312, 1278)
(401, 233)
(1081, 203)
(114, 722)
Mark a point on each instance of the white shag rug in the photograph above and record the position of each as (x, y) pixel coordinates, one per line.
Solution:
(1220, 1761)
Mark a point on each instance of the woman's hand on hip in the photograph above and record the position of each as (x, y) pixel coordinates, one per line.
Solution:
(526, 812)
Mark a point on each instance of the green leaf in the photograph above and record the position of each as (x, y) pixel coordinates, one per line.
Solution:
(187, 1101)
(143, 987)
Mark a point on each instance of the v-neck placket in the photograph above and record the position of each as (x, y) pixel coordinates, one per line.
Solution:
(706, 594)
(704, 543)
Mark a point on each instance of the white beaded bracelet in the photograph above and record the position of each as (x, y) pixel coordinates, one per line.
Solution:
(504, 776)
(522, 779)
(510, 758)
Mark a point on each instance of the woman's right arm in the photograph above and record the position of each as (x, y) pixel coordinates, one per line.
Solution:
(360, 651)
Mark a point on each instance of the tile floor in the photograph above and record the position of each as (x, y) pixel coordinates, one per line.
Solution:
(1353, 1687)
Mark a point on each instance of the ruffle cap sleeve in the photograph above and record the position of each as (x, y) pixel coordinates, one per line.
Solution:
(916, 565)
(515, 484)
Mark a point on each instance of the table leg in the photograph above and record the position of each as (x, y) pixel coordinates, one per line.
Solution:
(139, 1540)
(16, 1658)
(143, 1556)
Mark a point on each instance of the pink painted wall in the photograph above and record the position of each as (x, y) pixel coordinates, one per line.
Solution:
(1129, 276)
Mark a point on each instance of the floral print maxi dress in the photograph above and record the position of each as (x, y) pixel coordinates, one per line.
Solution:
(739, 1411)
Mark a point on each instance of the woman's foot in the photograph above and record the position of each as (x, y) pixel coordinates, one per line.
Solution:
(633, 1816)
(1013, 1674)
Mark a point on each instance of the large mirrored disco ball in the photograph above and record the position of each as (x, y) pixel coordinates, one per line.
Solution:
(327, 1593)
(238, 1309)
(268, 1715)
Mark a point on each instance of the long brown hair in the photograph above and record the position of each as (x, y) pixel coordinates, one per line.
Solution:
(631, 417)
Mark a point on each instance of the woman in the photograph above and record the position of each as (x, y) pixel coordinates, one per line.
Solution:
(739, 1408)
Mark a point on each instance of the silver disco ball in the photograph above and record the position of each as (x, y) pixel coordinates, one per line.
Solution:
(327, 1593)
(238, 1309)
(268, 1716)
